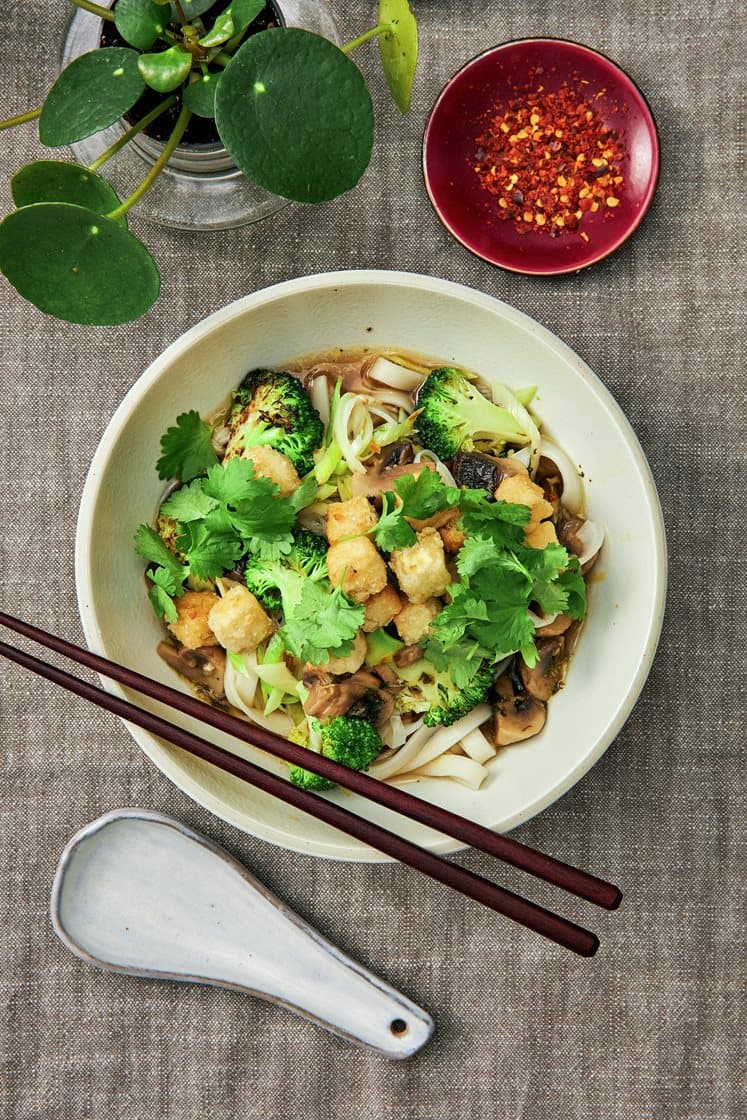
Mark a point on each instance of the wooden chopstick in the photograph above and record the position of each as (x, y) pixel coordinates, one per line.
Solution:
(545, 867)
(529, 914)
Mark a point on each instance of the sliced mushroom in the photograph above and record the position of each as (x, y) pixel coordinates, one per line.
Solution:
(517, 714)
(383, 471)
(544, 679)
(205, 666)
(328, 697)
(407, 656)
(477, 471)
(559, 625)
(583, 538)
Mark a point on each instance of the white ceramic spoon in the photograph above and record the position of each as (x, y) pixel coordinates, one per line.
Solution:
(137, 892)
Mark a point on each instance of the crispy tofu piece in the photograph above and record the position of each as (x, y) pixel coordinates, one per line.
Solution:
(239, 622)
(421, 568)
(269, 463)
(521, 490)
(192, 629)
(414, 620)
(358, 567)
(540, 536)
(452, 537)
(381, 608)
(349, 519)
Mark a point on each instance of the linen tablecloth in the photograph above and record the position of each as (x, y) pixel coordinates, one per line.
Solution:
(652, 1028)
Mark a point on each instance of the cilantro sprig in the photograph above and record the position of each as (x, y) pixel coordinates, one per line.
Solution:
(417, 497)
(186, 449)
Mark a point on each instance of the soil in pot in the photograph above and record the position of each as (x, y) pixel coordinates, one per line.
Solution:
(200, 130)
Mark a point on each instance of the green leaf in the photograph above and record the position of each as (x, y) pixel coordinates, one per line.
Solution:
(221, 31)
(399, 49)
(49, 180)
(190, 503)
(391, 530)
(139, 22)
(304, 494)
(200, 96)
(77, 265)
(160, 599)
(425, 494)
(187, 450)
(192, 9)
(294, 113)
(234, 481)
(90, 94)
(245, 12)
(211, 546)
(165, 70)
(572, 582)
(150, 545)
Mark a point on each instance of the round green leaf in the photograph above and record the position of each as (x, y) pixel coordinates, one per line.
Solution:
(200, 96)
(90, 94)
(50, 180)
(245, 12)
(76, 265)
(295, 115)
(139, 22)
(399, 49)
(192, 9)
(165, 70)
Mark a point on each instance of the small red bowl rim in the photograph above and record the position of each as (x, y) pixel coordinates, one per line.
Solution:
(648, 197)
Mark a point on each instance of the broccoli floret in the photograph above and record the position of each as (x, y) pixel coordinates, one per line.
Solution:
(433, 692)
(455, 416)
(272, 408)
(307, 557)
(352, 742)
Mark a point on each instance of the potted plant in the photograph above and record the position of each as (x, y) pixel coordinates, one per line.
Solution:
(290, 107)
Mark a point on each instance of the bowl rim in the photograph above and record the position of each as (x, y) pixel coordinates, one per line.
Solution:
(277, 292)
(648, 198)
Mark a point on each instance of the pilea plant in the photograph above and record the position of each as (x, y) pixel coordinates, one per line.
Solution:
(290, 107)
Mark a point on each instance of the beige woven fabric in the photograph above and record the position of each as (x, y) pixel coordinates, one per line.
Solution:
(648, 1030)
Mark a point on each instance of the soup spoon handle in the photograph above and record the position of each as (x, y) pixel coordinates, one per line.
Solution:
(139, 893)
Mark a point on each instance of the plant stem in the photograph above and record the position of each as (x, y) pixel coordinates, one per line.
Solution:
(173, 141)
(31, 115)
(373, 33)
(128, 135)
(95, 9)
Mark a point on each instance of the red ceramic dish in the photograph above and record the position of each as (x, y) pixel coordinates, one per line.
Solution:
(487, 84)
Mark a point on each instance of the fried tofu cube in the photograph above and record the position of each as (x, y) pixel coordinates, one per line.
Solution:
(349, 519)
(452, 537)
(269, 463)
(358, 567)
(414, 620)
(239, 622)
(421, 568)
(192, 628)
(520, 490)
(540, 536)
(381, 608)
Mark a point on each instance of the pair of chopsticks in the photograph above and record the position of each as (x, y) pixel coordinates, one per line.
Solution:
(482, 890)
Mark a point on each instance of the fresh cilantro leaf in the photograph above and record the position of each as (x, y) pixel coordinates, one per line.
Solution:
(502, 522)
(392, 531)
(187, 449)
(150, 546)
(476, 553)
(189, 503)
(462, 661)
(321, 620)
(508, 626)
(572, 582)
(425, 494)
(211, 546)
(162, 593)
(233, 481)
(456, 618)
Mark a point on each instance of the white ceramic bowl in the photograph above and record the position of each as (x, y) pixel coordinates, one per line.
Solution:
(459, 326)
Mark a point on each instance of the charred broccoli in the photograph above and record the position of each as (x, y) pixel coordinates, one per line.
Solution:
(273, 409)
(352, 742)
(455, 416)
(432, 691)
(307, 557)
